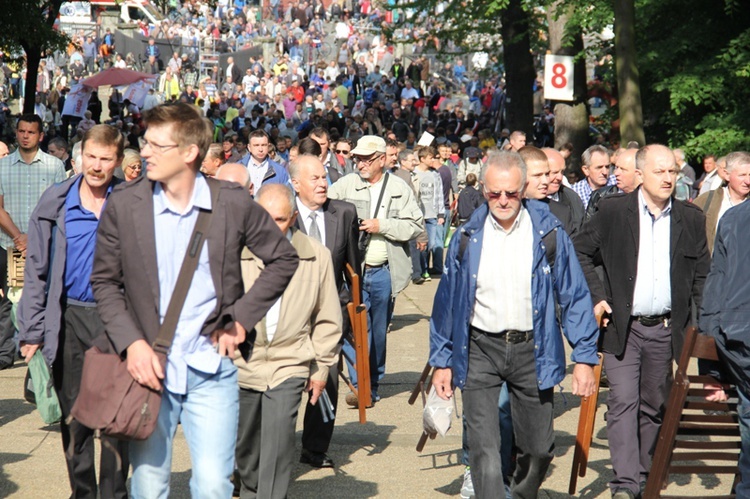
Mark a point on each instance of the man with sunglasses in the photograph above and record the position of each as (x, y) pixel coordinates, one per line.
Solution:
(390, 215)
(500, 330)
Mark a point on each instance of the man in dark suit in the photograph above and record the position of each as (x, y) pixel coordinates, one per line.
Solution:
(655, 257)
(333, 223)
(560, 193)
(142, 238)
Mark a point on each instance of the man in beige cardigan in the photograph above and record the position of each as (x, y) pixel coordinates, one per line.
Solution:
(735, 190)
(288, 352)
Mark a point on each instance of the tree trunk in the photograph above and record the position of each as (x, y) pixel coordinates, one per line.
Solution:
(33, 56)
(571, 118)
(519, 66)
(628, 82)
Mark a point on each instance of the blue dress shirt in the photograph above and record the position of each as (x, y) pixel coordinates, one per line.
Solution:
(80, 231)
(173, 231)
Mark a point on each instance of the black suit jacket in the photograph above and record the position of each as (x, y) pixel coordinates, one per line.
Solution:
(569, 198)
(342, 236)
(613, 234)
(562, 212)
(125, 278)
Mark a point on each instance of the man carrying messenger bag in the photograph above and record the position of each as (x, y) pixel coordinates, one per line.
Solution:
(144, 233)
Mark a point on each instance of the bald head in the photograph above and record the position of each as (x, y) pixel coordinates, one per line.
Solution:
(309, 180)
(627, 179)
(3, 149)
(278, 201)
(234, 172)
(556, 169)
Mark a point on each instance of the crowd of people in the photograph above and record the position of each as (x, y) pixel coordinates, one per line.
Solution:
(374, 161)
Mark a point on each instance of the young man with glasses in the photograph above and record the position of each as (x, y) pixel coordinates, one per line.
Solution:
(392, 220)
(142, 238)
(477, 345)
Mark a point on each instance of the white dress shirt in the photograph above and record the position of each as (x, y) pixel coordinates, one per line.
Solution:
(653, 285)
(257, 172)
(503, 297)
(304, 214)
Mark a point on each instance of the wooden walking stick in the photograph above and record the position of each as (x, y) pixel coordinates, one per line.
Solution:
(586, 421)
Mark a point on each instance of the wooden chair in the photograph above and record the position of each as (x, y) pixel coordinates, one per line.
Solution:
(682, 438)
(425, 380)
(585, 433)
(358, 316)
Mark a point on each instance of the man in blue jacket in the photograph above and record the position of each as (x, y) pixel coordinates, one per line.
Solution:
(263, 170)
(57, 313)
(500, 326)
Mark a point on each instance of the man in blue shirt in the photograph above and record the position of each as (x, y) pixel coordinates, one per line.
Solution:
(57, 312)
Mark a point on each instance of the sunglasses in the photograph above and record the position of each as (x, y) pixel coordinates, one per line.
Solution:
(343, 151)
(135, 166)
(499, 194)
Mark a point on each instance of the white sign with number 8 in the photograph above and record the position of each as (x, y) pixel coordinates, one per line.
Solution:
(558, 77)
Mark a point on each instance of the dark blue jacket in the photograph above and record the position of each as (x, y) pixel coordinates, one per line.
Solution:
(454, 301)
(725, 311)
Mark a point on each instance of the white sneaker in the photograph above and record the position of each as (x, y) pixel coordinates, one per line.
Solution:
(467, 489)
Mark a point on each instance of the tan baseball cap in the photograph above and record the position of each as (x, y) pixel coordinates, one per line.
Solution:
(369, 144)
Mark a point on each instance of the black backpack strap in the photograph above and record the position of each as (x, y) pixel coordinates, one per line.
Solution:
(550, 246)
(462, 245)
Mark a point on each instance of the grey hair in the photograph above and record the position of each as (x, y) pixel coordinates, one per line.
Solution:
(735, 159)
(679, 155)
(293, 168)
(504, 161)
(405, 154)
(77, 157)
(281, 190)
(588, 153)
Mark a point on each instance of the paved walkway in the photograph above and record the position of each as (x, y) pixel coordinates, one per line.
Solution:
(373, 460)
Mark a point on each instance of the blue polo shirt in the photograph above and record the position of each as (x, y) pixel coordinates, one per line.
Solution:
(80, 229)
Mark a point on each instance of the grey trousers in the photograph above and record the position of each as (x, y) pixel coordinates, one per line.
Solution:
(265, 439)
(492, 362)
(639, 383)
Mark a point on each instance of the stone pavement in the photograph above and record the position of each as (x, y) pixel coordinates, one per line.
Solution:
(377, 459)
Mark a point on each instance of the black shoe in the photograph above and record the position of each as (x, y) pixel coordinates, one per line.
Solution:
(315, 459)
(6, 364)
(418, 280)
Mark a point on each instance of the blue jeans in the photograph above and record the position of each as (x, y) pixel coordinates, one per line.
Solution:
(376, 295)
(209, 416)
(435, 237)
(743, 409)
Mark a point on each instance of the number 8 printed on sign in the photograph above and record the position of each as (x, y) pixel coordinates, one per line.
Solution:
(558, 77)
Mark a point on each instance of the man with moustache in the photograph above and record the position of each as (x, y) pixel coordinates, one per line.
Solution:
(655, 257)
(57, 313)
(24, 176)
(334, 224)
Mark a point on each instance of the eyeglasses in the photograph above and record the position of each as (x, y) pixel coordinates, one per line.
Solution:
(368, 161)
(342, 151)
(135, 166)
(157, 148)
(499, 194)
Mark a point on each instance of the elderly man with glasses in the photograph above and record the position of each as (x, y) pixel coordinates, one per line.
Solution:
(390, 218)
(503, 285)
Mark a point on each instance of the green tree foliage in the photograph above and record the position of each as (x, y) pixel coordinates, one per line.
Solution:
(27, 27)
(694, 60)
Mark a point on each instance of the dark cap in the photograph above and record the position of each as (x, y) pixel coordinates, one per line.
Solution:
(472, 152)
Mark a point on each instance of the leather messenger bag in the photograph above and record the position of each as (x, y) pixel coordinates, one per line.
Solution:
(110, 401)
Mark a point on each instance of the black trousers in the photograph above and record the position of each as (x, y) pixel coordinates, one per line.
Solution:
(7, 330)
(316, 434)
(80, 326)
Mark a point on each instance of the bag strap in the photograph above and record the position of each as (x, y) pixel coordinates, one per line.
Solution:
(380, 198)
(163, 341)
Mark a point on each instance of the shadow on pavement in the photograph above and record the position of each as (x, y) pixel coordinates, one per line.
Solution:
(7, 486)
(12, 409)
(403, 321)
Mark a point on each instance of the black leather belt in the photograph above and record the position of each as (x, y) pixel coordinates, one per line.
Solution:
(653, 320)
(367, 266)
(509, 335)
